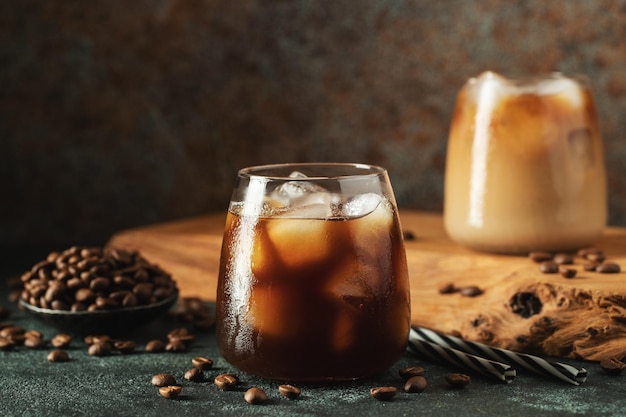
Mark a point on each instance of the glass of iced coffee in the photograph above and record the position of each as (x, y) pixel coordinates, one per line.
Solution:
(313, 282)
(525, 165)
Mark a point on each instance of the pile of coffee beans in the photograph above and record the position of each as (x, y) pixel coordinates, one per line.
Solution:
(593, 260)
(93, 278)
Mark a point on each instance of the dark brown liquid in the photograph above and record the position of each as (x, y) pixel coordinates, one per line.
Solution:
(308, 299)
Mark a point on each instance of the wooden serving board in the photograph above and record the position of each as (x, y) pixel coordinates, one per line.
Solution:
(583, 317)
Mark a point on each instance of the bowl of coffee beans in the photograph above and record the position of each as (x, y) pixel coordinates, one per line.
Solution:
(93, 289)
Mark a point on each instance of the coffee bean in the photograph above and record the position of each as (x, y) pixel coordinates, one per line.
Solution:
(100, 349)
(595, 257)
(415, 384)
(567, 272)
(540, 256)
(202, 363)
(125, 346)
(408, 235)
(194, 375)
(58, 355)
(226, 382)
(590, 266)
(34, 342)
(608, 268)
(289, 391)
(383, 393)
(448, 288)
(155, 346)
(584, 252)
(549, 267)
(101, 338)
(612, 366)
(171, 391)
(563, 259)
(255, 395)
(471, 291)
(11, 330)
(411, 371)
(61, 340)
(457, 380)
(162, 380)
(6, 343)
(176, 346)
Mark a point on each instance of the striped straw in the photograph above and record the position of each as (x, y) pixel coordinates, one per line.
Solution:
(562, 371)
(486, 367)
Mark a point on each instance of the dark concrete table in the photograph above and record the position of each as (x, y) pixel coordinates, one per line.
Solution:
(119, 385)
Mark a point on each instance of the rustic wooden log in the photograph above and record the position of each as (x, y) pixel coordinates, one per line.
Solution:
(520, 308)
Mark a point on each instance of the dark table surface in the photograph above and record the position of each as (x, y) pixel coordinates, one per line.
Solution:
(119, 384)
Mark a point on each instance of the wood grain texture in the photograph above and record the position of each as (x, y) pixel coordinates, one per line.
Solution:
(583, 317)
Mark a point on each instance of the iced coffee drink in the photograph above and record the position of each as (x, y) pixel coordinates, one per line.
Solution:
(525, 166)
(313, 281)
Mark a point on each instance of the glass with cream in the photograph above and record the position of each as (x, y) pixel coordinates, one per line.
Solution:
(525, 166)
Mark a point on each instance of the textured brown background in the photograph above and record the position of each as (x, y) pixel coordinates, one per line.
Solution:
(122, 113)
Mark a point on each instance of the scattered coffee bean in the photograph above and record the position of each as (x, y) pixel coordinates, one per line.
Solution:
(6, 343)
(457, 380)
(612, 366)
(194, 375)
(595, 257)
(100, 349)
(608, 268)
(563, 259)
(58, 355)
(471, 291)
(383, 393)
(61, 340)
(590, 266)
(155, 346)
(176, 346)
(125, 346)
(226, 382)
(163, 380)
(255, 395)
(408, 235)
(92, 339)
(549, 267)
(171, 391)
(289, 391)
(567, 272)
(584, 252)
(411, 371)
(34, 342)
(202, 363)
(448, 288)
(415, 384)
(11, 330)
(540, 256)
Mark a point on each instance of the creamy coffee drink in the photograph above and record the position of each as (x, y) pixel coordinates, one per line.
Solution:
(525, 166)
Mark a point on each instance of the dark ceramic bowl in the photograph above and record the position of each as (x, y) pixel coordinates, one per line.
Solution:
(102, 321)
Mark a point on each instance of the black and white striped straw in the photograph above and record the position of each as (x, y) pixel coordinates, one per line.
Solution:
(486, 367)
(559, 370)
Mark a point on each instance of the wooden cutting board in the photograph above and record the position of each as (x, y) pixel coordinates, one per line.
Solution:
(583, 317)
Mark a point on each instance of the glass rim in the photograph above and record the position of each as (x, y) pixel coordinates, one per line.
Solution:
(368, 170)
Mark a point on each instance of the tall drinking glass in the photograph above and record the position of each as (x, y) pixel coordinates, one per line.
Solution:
(525, 165)
(313, 282)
